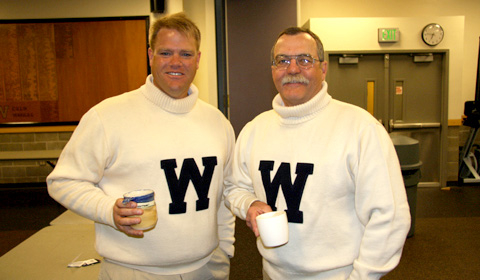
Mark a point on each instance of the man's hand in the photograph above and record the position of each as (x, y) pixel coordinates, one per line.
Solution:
(257, 208)
(122, 219)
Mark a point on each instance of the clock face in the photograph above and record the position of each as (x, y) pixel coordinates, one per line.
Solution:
(432, 34)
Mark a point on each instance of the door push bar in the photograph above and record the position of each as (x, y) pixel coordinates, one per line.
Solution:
(413, 125)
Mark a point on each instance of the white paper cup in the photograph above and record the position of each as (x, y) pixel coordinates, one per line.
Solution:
(273, 228)
(145, 200)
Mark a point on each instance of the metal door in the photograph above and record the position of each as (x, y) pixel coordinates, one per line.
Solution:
(405, 92)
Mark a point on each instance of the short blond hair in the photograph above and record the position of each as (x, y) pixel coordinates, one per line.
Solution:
(178, 22)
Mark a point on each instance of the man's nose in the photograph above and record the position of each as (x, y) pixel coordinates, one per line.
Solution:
(175, 59)
(293, 66)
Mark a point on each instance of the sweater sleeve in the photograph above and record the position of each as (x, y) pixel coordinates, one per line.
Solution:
(239, 191)
(73, 182)
(381, 205)
(225, 218)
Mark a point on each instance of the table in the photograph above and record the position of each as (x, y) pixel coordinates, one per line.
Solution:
(70, 218)
(46, 254)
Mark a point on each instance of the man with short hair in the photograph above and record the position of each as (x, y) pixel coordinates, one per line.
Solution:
(330, 165)
(159, 137)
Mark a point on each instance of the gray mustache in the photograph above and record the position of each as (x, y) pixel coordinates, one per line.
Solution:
(298, 78)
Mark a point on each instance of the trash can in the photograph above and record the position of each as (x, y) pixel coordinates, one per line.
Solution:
(408, 153)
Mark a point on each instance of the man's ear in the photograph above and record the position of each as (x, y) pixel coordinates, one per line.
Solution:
(324, 66)
(150, 55)
(198, 59)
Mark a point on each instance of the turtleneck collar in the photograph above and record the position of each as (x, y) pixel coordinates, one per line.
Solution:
(302, 112)
(172, 105)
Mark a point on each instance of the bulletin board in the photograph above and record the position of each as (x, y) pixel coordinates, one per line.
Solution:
(53, 71)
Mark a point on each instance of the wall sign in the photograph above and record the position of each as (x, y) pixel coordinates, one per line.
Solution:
(388, 35)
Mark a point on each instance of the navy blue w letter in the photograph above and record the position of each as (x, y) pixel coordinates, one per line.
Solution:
(293, 193)
(189, 172)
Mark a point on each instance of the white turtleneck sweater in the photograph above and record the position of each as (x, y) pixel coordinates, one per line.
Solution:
(346, 202)
(132, 141)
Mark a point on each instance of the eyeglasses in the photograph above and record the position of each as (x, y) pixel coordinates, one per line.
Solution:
(304, 61)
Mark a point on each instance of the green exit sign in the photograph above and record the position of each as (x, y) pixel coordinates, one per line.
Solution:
(388, 35)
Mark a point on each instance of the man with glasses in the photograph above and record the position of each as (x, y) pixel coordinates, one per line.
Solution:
(330, 165)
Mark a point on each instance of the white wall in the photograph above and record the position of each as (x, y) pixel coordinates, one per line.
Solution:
(426, 9)
(202, 12)
(361, 34)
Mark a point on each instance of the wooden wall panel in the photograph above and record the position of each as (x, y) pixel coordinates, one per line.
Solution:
(27, 58)
(10, 86)
(56, 71)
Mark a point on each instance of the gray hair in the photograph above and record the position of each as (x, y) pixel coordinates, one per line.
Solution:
(298, 30)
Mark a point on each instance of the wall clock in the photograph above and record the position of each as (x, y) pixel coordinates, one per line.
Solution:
(432, 34)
